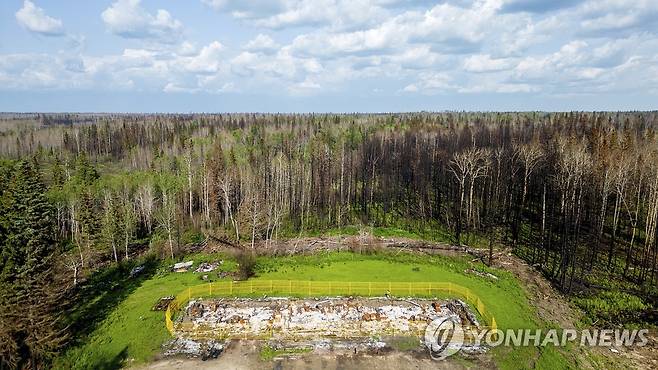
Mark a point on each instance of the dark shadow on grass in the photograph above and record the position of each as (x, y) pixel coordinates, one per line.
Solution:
(113, 363)
(94, 300)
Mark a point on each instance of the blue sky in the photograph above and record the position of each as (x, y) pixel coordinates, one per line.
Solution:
(328, 55)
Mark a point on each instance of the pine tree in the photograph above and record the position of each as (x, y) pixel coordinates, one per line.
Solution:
(85, 171)
(7, 344)
(57, 175)
(111, 225)
(30, 296)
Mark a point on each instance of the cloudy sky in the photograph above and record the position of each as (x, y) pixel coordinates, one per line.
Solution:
(328, 55)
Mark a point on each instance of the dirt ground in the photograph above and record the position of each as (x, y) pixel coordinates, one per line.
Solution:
(241, 355)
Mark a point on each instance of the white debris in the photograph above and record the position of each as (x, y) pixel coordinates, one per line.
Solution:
(482, 274)
(335, 317)
(208, 267)
(183, 346)
(182, 266)
(192, 348)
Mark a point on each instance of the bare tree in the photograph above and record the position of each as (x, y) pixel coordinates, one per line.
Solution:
(467, 167)
(530, 156)
(146, 204)
(189, 157)
(166, 215)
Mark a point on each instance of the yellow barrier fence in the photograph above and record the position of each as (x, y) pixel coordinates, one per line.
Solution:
(298, 288)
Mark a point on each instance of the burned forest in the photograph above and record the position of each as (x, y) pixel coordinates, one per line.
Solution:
(574, 194)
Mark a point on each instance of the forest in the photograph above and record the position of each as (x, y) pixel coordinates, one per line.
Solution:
(574, 194)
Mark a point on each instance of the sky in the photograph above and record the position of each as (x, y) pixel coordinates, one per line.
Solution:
(328, 55)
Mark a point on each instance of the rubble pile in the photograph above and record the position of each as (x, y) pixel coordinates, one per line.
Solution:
(182, 266)
(208, 267)
(481, 274)
(333, 317)
(182, 346)
(465, 315)
(162, 303)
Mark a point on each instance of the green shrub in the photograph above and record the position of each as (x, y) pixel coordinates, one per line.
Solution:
(611, 306)
(192, 237)
(246, 264)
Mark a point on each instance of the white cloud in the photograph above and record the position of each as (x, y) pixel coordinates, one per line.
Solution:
(42, 71)
(277, 14)
(187, 48)
(376, 40)
(126, 18)
(173, 88)
(308, 86)
(445, 28)
(304, 47)
(484, 63)
(537, 6)
(590, 72)
(532, 33)
(282, 66)
(410, 88)
(262, 43)
(592, 66)
(207, 61)
(416, 57)
(247, 9)
(498, 87)
(34, 19)
(430, 83)
(340, 14)
(571, 54)
(137, 69)
(618, 15)
(452, 27)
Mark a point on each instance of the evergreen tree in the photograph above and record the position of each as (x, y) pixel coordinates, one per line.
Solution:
(30, 296)
(85, 172)
(58, 177)
(111, 225)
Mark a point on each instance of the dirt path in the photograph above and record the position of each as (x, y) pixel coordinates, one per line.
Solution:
(551, 305)
(243, 355)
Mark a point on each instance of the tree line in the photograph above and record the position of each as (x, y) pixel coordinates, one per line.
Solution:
(573, 193)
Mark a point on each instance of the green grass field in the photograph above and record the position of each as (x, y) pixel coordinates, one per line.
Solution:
(131, 334)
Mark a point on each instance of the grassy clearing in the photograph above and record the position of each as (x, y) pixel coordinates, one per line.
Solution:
(268, 353)
(610, 307)
(403, 343)
(504, 298)
(132, 334)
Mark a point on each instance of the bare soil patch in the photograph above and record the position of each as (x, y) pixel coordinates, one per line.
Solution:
(244, 354)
